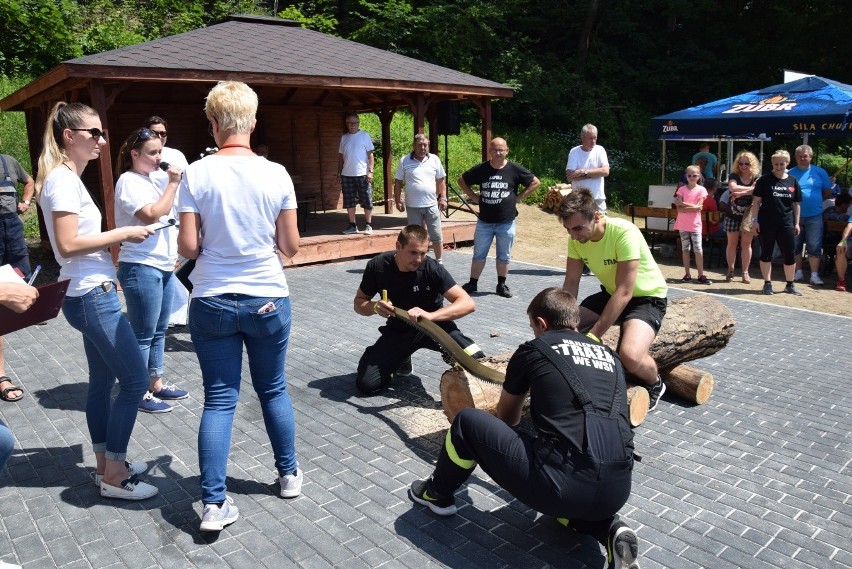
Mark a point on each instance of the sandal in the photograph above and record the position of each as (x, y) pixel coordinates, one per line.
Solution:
(730, 277)
(4, 394)
(686, 278)
(746, 278)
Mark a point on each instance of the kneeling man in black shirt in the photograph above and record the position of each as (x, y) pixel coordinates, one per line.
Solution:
(418, 284)
(578, 465)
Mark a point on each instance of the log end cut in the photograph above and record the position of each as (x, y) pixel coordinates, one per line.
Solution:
(638, 402)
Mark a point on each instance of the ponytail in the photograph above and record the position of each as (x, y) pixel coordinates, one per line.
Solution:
(63, 115)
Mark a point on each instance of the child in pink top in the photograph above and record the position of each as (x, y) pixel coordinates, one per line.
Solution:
(688, 201)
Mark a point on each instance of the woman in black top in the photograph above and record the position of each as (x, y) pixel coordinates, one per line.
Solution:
(775, 210)
(741, 186)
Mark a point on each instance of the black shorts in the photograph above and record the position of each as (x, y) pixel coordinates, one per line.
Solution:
(648, 309)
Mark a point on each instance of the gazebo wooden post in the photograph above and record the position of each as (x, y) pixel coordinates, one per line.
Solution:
(419, 107)
(484, 106)
(385, 118)
(99, 103)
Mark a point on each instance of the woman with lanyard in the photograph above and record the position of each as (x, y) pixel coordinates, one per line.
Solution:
(72, 137)
(145, 270)
(237, 213)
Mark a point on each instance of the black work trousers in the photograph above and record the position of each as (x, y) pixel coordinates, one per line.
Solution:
(541, 473)
(381, 360)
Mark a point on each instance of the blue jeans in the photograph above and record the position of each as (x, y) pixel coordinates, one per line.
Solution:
(486, 232)
(7, 443)
(112, 353)
(220, 326)
(810, 233)
(148, 292)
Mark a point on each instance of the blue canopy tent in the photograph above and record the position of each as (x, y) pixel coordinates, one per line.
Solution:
(812, 105)
(808, 106)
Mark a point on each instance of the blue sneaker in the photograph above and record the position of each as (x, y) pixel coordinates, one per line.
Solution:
(151, 404)
(170, 391)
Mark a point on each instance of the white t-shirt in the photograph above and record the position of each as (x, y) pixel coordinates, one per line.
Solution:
(355, 148)
(63, 191)
(175, 158)
(133, 192)
(238, 199)
(420, 179)
(579, 159)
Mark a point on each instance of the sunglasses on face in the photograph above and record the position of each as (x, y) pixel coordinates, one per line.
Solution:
(745, 163)
(95, 132)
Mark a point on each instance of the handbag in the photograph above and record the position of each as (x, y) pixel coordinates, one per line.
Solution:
(745, 226)
(183, 271)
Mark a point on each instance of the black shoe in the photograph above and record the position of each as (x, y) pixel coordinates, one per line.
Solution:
(622, 547)
(586, 271)
(405, 369)
(655, 392)
(503, 290)
(420, 493)
(469, 287)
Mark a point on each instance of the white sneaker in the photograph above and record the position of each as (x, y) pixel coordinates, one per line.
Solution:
(816, 280)
(216, 516)
(798, 276)
(291, 484)
(368, 229)
(130, 489)
(133, 468)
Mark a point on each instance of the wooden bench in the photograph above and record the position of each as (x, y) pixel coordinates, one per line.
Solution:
(651, 234)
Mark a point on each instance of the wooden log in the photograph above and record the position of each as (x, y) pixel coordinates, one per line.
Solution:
(689, 383)
(638, 402)
(694, 327)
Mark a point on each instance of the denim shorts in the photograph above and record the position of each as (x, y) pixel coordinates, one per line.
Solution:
(810, 234)
(485, 233)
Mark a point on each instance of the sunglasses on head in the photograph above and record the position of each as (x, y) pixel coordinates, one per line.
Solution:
(143, 135)
(95, 132)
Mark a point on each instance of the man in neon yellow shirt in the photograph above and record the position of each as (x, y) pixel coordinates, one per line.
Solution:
(633, 289)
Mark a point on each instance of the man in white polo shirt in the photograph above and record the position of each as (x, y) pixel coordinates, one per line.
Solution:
(588, 166)
(425, 190)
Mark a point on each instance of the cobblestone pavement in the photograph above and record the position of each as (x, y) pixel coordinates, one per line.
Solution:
(759, 477)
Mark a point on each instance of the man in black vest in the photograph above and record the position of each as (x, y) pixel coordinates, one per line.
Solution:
(578, 466)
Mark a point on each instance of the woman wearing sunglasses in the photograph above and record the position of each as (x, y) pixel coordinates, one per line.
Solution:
(741, 182)
(145, 269)
(237, 212)
(72, 137)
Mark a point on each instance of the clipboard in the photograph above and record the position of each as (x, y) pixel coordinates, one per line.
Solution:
(46, 307)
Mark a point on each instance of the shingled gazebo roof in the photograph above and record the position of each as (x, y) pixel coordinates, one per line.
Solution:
(285, 62)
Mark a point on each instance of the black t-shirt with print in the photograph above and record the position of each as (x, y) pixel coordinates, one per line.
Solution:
(554, 408)
(423, 288)
(777, 198)
(498, 189)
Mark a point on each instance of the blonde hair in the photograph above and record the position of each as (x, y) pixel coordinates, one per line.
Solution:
(754, 167)
(233, 104)
(783, 154)
(63, 115)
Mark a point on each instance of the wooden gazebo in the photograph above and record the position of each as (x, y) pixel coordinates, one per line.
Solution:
(306, 82)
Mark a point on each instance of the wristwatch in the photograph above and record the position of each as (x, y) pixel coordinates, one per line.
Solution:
(754, 219)
(585, 173)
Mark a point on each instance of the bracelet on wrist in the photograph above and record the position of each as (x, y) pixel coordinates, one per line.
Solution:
(593, 337)
(376, 307)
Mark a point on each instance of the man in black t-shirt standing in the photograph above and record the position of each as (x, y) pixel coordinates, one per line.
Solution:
(553, 472)
(418, 284)
(498, 181)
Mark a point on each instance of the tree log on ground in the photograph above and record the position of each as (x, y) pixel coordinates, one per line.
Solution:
(694, 327)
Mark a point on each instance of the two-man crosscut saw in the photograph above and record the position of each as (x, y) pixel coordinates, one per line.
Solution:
(451, 348)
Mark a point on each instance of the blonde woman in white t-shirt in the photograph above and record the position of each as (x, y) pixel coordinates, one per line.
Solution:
(73, 137)
(237, 211)
(146, 270)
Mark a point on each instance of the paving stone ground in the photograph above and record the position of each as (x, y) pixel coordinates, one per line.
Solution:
(759, 477)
